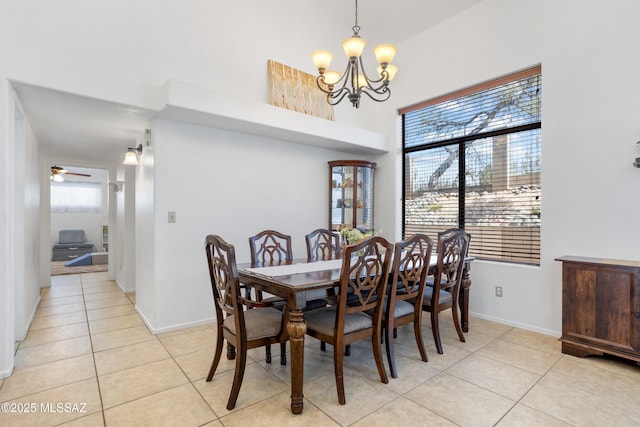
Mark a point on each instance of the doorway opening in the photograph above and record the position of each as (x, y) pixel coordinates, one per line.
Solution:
(79, 218)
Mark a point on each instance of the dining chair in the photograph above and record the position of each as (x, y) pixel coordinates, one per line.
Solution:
(270, 247)
(322, 245)
(410, 269)
(365, 271)
(441, 292)
(246, 329)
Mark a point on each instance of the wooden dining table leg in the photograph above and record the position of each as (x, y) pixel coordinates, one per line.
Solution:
(463, 298)
(297, 328)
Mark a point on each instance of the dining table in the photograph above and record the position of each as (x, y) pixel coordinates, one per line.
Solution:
(298, 281)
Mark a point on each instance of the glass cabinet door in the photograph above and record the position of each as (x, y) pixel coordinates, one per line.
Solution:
(351, 194)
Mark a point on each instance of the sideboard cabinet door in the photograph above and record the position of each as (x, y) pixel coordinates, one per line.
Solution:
(600, 307)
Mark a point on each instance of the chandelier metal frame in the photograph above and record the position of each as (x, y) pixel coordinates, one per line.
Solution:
(354, 81)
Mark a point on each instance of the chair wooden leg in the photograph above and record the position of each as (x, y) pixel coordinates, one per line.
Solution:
(283, 353)
(241, 363)
(456, 322)
(231, 351)
(267, 349)
(436, 331)
(395, 332)
(347, 348)
(217, 356)
(377, 354)
(417, 330)
(339, 372)
(390, 353)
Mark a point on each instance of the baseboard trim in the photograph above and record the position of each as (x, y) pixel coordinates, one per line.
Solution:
(24, 333)
(122, 288)
(515, 324)
(171, 328)
(8, 372)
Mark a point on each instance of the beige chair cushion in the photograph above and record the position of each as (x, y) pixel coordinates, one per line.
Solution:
(323, 320)
(260, 323)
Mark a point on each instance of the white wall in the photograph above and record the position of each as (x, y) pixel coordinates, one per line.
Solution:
(27, 225)
(7, 299)
(19, 251)
(217, 182)
(125, 51)
(590, 123)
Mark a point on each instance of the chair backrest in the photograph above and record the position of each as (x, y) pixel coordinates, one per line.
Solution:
(270, 247)
(411, 259)
(225, 281)
(323, 244)
(364, 277)
(453, 245)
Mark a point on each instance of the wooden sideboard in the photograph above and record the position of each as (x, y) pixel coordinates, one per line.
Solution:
(600, 307)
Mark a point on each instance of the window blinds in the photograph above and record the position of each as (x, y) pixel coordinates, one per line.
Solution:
(473, 162)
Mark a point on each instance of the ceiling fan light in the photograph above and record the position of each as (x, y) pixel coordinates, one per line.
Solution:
(130, 158)
(58, 178)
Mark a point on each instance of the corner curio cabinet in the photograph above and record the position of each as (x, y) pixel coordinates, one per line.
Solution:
(351, 194)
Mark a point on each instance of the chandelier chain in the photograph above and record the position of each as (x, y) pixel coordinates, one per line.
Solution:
(356, 27)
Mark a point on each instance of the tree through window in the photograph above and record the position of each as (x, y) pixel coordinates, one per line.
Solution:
(472, 160)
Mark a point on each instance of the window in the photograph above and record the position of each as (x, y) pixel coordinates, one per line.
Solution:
(472, 160)
(76, 197)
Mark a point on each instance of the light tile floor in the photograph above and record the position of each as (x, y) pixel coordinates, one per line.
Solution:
(87, 346)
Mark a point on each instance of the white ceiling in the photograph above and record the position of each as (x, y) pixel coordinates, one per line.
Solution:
(74, 127)
(79, 128)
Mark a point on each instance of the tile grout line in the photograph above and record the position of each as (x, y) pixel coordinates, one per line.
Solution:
(218, 418)
(93, 354)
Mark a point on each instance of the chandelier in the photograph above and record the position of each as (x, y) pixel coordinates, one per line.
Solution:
(354, 81)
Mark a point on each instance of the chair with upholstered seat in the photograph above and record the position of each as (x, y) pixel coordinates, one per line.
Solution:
(245, 329)
(364, 274)
(441, 292)
(322, 245)
(410, 269)
(270, 247)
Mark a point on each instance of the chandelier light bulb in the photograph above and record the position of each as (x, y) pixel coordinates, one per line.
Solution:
(322, 59)
(331, 77)
(391, 69)
(385, 53)
(353, 47)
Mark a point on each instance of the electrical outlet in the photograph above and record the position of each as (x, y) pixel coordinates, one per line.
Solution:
(172, 217)
(499, 291)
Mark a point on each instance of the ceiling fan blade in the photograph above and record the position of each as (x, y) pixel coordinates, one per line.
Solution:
(73, 173)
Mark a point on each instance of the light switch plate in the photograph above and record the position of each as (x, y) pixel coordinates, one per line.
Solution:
(172, 217)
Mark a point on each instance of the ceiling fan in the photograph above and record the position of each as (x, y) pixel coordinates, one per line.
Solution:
(57, 172)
